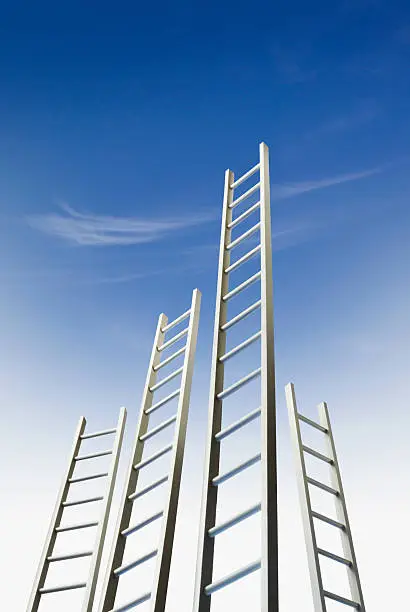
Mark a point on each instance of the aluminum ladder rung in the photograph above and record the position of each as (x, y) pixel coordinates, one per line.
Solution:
(320, 485)
(233, 472)
(340, 599)
(241, 315)
(314, 453)
(243, 259)
(174, 339)
(233, 577)
(142, 524)
(91, 477)
(97, 434)
(248, 418)
(65, 587)
(312, 423)
(162, 402)
(166, 380)
(243, 236)
(63, 528)
(93, 455)
(128, 566)
(152, 432)
(242, 286)
(154, 457)
(330, 521)
(239, 384)
(168, 360)
(240, 347)
(78, 502)
(148, 488)
(234, 520)
(243, 178)
(86, 553)
(329, 555)
(175, 322)
(245, 195)
(243, 216)
(132, 604)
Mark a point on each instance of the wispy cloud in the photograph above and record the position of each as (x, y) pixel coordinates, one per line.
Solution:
(106, 230)
(294, 189)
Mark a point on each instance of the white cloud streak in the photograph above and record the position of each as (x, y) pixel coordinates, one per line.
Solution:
(106, 230)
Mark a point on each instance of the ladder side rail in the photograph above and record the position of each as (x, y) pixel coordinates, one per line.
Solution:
(110, 584)
(51, 537)
(204, 569)
(316, 582)
(103, 522)
(164, 555)
(341, 510)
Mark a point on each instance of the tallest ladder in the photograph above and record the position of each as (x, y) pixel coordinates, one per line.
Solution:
(206, 583)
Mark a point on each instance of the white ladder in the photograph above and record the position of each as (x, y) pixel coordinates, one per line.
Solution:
(206, 583)
(335, 489)
(157, 594)
(57, 526)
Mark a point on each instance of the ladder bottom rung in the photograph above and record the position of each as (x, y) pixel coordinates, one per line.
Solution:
(343, 600)
(237, 575)
(66, 587)
(132, 604)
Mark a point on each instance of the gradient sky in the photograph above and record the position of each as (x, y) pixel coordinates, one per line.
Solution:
(117, 123)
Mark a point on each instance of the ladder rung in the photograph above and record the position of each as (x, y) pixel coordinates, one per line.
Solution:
(240, 347)
(234, 520)
(243, 178)
(329, 555)
(65, 587)
(242, 286)
(316, 483)
(142, 524)
(243, 236)
(343, 600)
(93, 455)
(165, 380)
(132, 604)
(241, 315)
(242, 466)
(77, 502)
(78, 555)
(237, 575)
(314, 453)
(242, 259)
(328, 520)
(240, 383)
(251, 416)
(158, 428)
(312, 423)
(62, 528)
(173, 339)
(176, 321)
(148, 488)
(162, 402)
(154, 457)
(245, 195)
(97, 434)
(128, 566)
(91, 477)
(169, 359)
(243, 216)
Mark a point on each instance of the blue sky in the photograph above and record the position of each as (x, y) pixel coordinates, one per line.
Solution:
(116, 127)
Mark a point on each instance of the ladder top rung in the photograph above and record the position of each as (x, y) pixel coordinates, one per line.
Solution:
(63, 587)
(233, 577)
(132, 564)
(97, 434)
(312, 423)
(175, 322)
(245, 176)
(340, 599)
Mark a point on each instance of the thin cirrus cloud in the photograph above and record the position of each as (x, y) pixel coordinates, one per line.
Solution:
(106, 230)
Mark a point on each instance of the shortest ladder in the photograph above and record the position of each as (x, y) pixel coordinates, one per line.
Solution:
(57, 526)
(314, 552)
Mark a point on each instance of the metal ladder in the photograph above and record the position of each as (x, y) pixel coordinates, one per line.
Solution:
(206, 584)
(57, 526)
(157, 594)
(314, 552)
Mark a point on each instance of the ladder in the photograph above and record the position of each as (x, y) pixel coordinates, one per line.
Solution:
(206, 583)
(57, 526)
(335, 489)
(157, 594)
